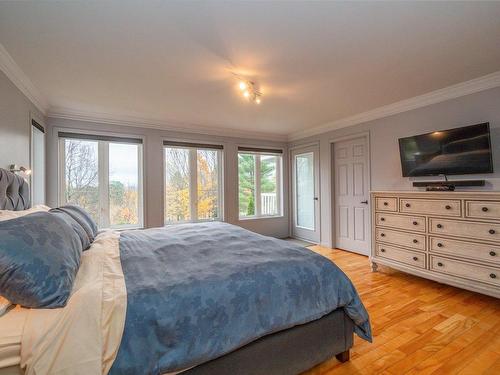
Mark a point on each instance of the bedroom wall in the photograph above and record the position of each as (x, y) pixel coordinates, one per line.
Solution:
(15, 131)
(384, 152)
(153, 184)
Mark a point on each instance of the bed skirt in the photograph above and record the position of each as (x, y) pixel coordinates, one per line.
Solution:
(287, 352)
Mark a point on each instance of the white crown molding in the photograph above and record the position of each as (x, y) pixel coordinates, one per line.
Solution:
(132, 121)
(21, 80)
(451, 92)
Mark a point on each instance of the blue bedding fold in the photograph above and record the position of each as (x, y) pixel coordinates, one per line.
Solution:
(198, 291)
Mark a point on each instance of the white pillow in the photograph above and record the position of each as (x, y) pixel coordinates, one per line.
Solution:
(8, 214)
(4, 305)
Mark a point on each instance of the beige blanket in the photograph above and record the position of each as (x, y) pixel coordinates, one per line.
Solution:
(84, 336)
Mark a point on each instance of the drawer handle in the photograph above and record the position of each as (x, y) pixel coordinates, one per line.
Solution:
(415, 241)
(485, 209)
(382, 234)
(448, 207)
(492, 253)
(415, 223)
(386, 203)
(492, 231)
(440, 264)
(493, 276)
(382, 219)
(439, 226)
(415, 259)
(440, 244)
(382, 250)
(407, 205)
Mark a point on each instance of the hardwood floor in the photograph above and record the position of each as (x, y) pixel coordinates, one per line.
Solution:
(419, 326)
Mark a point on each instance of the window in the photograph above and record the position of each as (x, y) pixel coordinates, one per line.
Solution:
(259, 185)
(103, 175)
(193, 182)
(37, 155)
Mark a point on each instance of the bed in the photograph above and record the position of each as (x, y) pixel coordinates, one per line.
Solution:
(206, 298)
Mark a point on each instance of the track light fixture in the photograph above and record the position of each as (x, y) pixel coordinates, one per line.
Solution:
(249, 91)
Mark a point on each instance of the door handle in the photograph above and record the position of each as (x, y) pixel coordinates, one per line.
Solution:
(365, 202)
(315, 198)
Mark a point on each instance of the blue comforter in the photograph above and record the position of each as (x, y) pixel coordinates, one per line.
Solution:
(198, 291)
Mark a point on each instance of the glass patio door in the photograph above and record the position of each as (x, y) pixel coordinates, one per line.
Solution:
(305, 189)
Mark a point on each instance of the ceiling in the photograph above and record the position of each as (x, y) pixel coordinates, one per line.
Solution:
(315, 62)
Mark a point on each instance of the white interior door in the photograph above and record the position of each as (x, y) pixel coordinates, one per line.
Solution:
(305, 192)
(351, 195)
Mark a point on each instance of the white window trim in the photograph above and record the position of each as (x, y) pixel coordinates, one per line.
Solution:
(103, 148)
(33, 117)
(279, 183)
(193, 181)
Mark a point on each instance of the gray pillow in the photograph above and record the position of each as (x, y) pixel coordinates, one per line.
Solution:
(75, 225)
(83, 218)
(39, 258)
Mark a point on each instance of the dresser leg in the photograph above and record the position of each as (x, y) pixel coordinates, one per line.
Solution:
(374, 267)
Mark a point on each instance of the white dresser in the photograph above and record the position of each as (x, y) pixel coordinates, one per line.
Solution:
(449, 237)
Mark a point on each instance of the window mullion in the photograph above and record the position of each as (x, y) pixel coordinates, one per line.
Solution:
(103, 177)
(258, 199)
(193, 184)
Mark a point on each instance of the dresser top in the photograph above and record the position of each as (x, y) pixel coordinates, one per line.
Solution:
(443, 194)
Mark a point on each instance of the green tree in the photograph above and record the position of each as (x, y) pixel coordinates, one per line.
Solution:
(246, 176)
(116, 192)
(251, 206)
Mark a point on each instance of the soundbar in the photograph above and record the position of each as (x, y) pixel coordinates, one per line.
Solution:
(447, 185)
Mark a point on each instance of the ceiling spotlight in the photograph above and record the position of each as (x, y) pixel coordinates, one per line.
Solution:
(243, 85)
(246, 94)
(257, 100)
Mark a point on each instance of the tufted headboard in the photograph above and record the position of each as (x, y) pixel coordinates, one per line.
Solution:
(14, 192)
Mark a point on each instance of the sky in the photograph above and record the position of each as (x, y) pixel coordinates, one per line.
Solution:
(123, 163)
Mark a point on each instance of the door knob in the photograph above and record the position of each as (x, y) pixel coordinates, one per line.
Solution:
(365, 202)
(315, 198)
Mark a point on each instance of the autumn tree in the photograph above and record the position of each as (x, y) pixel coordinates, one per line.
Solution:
(178, 180)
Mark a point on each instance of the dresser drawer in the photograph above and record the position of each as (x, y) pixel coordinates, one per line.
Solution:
(412, 240)
(484, 274)
(386, 204)
(416, 223)
(409, 257)
(443, 207)
(464, 249)
(466, 229)
(482, 209)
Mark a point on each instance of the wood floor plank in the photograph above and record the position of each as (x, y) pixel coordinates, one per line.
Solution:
(419, 326)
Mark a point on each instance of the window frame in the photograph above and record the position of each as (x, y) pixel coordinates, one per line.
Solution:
(193, 147)
(103, 173)
(258, 152)
(35, 177)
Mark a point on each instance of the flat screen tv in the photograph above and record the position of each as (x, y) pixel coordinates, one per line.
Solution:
(464, 150)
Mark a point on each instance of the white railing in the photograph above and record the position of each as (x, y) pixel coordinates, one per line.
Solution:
(268, 204)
